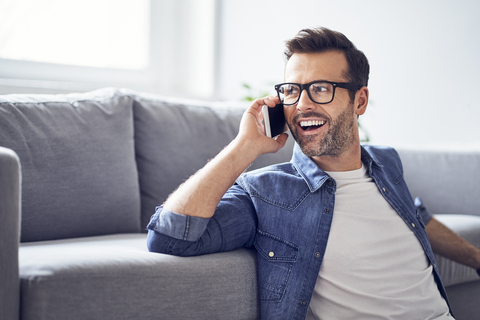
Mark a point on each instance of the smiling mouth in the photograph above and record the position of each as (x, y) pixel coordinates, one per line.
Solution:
(308, 125)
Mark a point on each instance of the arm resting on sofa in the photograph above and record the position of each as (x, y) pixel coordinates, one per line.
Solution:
(447, 243)
(10, 182)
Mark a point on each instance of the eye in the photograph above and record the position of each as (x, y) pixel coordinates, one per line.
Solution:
(319, 87)
(289, 90)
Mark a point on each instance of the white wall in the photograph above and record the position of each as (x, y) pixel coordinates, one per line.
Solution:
(425, 71)
(423, 55)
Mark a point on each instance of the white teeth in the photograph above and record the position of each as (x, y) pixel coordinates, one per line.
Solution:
(311, 123)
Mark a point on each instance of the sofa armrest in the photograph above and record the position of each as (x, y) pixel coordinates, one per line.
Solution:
(10, 182)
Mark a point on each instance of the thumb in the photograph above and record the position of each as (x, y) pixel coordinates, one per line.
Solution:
(281, 140)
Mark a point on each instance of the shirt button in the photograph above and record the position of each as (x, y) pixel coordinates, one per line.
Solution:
(317, 254)
(327, 210)
(271, 254)
(303, 303)
(330, 183)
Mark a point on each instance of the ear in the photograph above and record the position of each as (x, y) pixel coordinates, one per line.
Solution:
(361, 101)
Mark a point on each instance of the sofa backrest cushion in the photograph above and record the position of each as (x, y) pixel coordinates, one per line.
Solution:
(446, 179)
(174, 138)
(78, 165)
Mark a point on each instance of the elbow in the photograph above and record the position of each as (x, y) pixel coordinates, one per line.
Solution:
(160, 243)
(157, 242)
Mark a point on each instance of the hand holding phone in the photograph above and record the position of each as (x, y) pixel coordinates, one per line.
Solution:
(274, 120)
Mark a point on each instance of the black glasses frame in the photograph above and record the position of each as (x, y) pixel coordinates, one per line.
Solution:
(346, 85)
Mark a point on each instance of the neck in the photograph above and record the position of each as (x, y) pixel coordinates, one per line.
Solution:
(347, 161)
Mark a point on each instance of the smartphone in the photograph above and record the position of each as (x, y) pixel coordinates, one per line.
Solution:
(274, 120)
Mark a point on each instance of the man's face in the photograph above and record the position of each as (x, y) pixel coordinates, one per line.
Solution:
(334, 126)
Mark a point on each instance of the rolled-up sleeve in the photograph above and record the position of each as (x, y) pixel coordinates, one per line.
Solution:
(232, 226)
(178, 226)
(422, 211)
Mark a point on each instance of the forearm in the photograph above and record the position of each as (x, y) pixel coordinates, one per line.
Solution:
(200, 195)
(447, 243)
(202, 192)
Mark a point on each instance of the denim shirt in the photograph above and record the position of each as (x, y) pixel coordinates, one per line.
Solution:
(285, 211)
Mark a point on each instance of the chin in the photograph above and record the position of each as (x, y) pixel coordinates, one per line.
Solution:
(326, 146)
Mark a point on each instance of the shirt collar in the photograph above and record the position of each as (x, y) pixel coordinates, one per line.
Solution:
(370, 160)
(316, 177)
(308, 169)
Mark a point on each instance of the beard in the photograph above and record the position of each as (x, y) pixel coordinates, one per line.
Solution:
(336, 140)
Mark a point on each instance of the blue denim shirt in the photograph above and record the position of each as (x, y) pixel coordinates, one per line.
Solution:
(285, 211)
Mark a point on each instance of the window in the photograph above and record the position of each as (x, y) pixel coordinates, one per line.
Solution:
(167, 47)
(94, 33)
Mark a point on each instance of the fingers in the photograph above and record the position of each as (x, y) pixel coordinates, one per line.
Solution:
(258, 104)
(252, 128)
(270, 101)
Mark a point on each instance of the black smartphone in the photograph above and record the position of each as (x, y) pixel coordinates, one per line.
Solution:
(274, 120)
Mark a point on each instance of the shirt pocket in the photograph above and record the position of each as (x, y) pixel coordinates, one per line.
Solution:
(276, 258)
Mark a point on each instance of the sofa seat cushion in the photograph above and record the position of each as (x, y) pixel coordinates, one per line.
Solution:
(115, 277)
(77, 156)
(468, 227)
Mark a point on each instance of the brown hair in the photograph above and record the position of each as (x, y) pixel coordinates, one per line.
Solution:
(321, 39)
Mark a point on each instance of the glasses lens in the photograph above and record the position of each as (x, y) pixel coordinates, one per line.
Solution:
(321, 92)
(288, 93)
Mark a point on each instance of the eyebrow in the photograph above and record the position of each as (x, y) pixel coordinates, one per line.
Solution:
(321, 80)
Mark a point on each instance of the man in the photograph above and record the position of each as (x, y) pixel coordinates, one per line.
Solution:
(336, 230)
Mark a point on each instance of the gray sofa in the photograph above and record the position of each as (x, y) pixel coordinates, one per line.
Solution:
(81, 174)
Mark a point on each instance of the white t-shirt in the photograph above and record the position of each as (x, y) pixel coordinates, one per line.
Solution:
(374, 266)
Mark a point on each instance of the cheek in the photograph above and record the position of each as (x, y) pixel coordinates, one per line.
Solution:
(288, 112)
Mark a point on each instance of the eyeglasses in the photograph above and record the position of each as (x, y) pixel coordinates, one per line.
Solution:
(321, 92)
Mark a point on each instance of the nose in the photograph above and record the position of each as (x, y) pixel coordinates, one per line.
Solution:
(305, 103)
